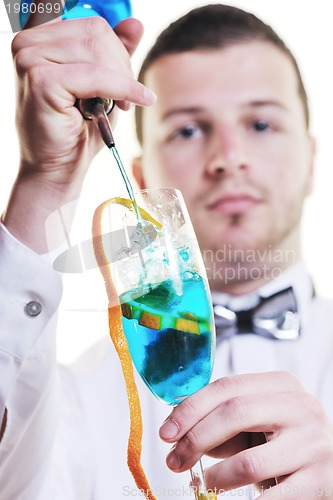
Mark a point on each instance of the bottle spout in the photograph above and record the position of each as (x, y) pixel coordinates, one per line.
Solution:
(96, 109)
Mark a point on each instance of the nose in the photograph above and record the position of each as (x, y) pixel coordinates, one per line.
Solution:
(226, 154)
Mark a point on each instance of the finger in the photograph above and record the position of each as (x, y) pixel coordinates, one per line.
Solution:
(130, 32)
(257, 464)
(67, 83)
(300, 486)
(242, 441)
(66, 51)
(196, 407)
(62, 46)
(87, 32)
(273, 415)
(231, 446)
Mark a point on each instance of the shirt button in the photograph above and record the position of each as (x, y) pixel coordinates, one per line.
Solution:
(33, 308)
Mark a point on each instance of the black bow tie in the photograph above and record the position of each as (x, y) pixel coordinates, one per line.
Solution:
(275, 317)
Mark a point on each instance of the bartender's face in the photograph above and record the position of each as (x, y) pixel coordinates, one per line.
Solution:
(228, 129)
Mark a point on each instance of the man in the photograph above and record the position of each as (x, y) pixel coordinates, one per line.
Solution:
(229, 128)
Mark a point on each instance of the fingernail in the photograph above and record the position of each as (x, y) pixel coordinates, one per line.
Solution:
(150, 95)
(173, 460)
(169, 429)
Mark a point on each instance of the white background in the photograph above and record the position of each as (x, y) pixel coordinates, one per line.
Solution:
(306, 27)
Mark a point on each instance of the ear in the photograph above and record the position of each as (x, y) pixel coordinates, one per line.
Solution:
(138, 172)
(312, 154)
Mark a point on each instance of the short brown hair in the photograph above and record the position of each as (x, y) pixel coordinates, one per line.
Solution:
(213, 27)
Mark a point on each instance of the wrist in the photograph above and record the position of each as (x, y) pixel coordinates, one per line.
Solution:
(30, 204)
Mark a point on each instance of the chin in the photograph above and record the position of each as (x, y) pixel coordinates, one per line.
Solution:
(243, 240)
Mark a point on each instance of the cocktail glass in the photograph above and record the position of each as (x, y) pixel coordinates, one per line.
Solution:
(161, 282)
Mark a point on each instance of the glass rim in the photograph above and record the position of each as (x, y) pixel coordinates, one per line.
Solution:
(156, 189)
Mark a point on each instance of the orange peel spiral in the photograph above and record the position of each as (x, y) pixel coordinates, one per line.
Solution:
(119, 340)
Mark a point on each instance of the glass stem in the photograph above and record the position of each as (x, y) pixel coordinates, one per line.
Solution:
(198, 483)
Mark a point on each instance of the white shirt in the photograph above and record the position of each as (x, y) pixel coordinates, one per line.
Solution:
(67, 428)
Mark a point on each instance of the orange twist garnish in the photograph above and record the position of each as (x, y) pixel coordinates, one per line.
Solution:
(119, 340)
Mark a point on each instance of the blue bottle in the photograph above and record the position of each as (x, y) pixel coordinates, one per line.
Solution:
(113, 11)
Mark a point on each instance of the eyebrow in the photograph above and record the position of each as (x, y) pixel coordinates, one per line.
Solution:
(191, 110)
(182, 111)
(266, 102)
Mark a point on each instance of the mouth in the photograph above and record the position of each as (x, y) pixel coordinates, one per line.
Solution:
(234, 204)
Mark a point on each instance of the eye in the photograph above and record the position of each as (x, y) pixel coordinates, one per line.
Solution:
(260, 125)
(188, 131)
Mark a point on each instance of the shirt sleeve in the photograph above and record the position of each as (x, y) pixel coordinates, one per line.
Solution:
(30, 292)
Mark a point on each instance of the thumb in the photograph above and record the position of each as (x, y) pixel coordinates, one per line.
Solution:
(43, 11)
